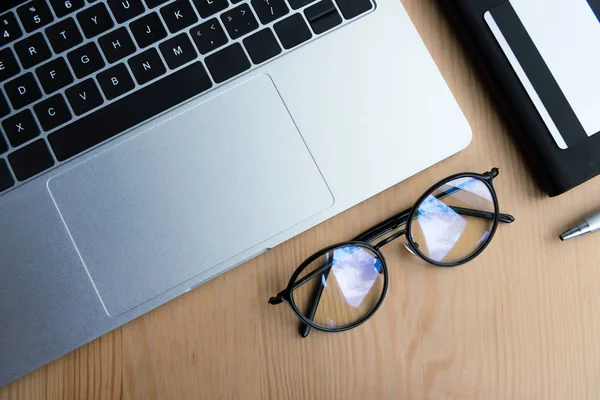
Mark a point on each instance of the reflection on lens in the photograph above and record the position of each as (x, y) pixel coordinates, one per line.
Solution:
(345, 286)
(454, 221)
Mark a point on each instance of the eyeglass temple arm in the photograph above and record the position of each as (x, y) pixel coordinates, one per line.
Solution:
(305, 328)
(506, 218)
(323, 269)
(374, 233)
(400, 219)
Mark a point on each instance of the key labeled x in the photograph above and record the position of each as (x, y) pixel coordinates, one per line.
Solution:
(21, 128)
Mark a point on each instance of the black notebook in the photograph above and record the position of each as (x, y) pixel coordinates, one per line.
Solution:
(540, 59)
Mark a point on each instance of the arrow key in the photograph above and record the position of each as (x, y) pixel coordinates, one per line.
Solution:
(209, 36)
(239, 21)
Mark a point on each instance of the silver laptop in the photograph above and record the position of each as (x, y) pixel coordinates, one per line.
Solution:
(148, 146)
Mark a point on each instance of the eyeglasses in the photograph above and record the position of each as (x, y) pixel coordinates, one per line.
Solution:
(342, 286)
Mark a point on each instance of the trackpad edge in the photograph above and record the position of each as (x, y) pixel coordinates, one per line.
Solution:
(189, 194)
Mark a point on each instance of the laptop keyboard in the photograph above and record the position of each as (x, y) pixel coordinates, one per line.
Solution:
(76, 73)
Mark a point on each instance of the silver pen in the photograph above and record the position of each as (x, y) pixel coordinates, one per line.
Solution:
(588, 225)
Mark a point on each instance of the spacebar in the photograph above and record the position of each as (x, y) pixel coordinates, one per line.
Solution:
(129, 111)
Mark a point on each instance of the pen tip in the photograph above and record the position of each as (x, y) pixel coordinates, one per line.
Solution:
(571, 233)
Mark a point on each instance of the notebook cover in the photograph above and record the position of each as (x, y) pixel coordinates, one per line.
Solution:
(555, 169)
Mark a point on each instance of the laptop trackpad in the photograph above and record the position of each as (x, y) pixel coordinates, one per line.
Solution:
(189, 194)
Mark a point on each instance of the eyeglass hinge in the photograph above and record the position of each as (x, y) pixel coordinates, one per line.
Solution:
(278, 299)
(493, 173)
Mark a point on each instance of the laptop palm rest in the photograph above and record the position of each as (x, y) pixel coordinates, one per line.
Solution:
(188, 194)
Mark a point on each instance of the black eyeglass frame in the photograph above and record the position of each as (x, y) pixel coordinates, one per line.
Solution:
(389, 225)
(286, 295)
(487, 178)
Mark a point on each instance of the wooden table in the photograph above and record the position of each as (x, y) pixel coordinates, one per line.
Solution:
(519, 322)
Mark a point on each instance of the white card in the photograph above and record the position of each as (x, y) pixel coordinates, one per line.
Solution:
(567, 35)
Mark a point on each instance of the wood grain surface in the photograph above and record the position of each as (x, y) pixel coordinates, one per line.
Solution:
(519, 322)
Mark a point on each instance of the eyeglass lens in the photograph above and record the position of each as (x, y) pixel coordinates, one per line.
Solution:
(350, 286)
(442, 232)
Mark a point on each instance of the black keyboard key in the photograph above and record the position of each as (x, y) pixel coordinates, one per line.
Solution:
(292, 31)
(270, 10)
(206, 8)
(85, 60)
(115, 81)
(227, 63)
(33, 50)
(124, 10)
(22, 91)
(178, 51)
(154, 3)
(31, 160)
(52, 112)
(296, 4)
(4, 108)
(8, 64)
(117, 45)
(148, 30)
(178, 15)
(3, 145)
(84, 96)
(9, 29)
(54, 75)
(239, 21)
(129, 111)
(209, 36)
(146, 66)
(65, 7)
(20, 128)
(34, 15)
(6, 179)
(353, 8)
(262, 46)
(322, 16)
(95, 20)
(64, 35)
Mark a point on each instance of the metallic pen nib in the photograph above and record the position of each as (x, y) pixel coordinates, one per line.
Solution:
(582, 228)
